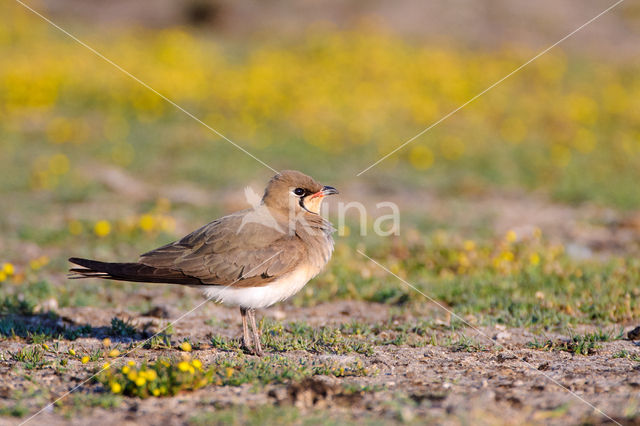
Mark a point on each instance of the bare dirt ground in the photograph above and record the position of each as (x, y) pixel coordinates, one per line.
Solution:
(501, 381)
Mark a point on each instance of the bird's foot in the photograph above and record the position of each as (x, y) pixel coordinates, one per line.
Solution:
(246, 346)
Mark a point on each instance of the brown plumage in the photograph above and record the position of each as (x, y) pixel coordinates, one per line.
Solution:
(252, 258)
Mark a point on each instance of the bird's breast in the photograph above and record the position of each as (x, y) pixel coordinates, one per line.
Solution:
(265, 295)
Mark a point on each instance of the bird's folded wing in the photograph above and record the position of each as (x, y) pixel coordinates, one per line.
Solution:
(230, 251)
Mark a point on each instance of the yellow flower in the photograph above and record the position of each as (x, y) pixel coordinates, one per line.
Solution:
(140, 381)
(125, 370)
(507, 256)
(59, 164)
(45, 346)
(116, 387)
(229, 371)
(421, 157)
(132, 363)
(184, 366)
(85, 359)
(511, 236)
(106, 366)
(469, 245)
(8, 269)
(197, 364)
(185, 346)
(72, 351)
(151, 375)
(102, 228)
(38, 263)
(155, 392)
(114, 353)
(3, 276)
(133, 375)
(534, 259)
(106, 342)
(146, 222)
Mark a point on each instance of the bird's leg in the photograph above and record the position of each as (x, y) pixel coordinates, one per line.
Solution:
(257, 348)
(246, 342)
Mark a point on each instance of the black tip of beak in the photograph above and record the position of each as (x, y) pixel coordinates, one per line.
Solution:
(329, 190)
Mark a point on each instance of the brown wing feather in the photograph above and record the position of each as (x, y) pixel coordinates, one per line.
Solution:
(229, 251)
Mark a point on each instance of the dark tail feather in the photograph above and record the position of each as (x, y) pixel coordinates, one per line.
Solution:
(136, 272)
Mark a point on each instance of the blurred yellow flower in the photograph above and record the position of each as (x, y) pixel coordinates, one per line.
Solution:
(229, 372)
(106, 366)
(102, 228)
(151, 375)
(185, 346)
(72, 351)
(3, 276)
(511, 236)
(8, 268)
(132, 375)
(197, 364)
(421, 157)
(534, 259)
(116, 387)
(146, 222)
(183, 366)
(39, 262)
(125, 370)
(60, 130)
(106, 342)
(59, 164)
(140, 381)
(85, 359)
(114, 353)
(507, 256)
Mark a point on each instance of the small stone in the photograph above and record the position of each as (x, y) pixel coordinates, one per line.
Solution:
(634, 334)
(157, 312)
(503, 335)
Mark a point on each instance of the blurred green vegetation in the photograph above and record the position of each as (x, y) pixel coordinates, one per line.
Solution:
(330, 103)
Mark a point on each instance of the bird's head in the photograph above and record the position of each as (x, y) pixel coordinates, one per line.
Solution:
(291, 189)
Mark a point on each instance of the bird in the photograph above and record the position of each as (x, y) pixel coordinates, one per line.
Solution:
(252, 258)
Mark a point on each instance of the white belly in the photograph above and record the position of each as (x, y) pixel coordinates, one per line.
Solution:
(261, 297)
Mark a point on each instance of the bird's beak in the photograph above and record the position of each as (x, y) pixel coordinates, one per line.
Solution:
(326, 190)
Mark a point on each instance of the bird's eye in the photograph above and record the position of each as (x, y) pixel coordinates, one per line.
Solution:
(298, 191)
